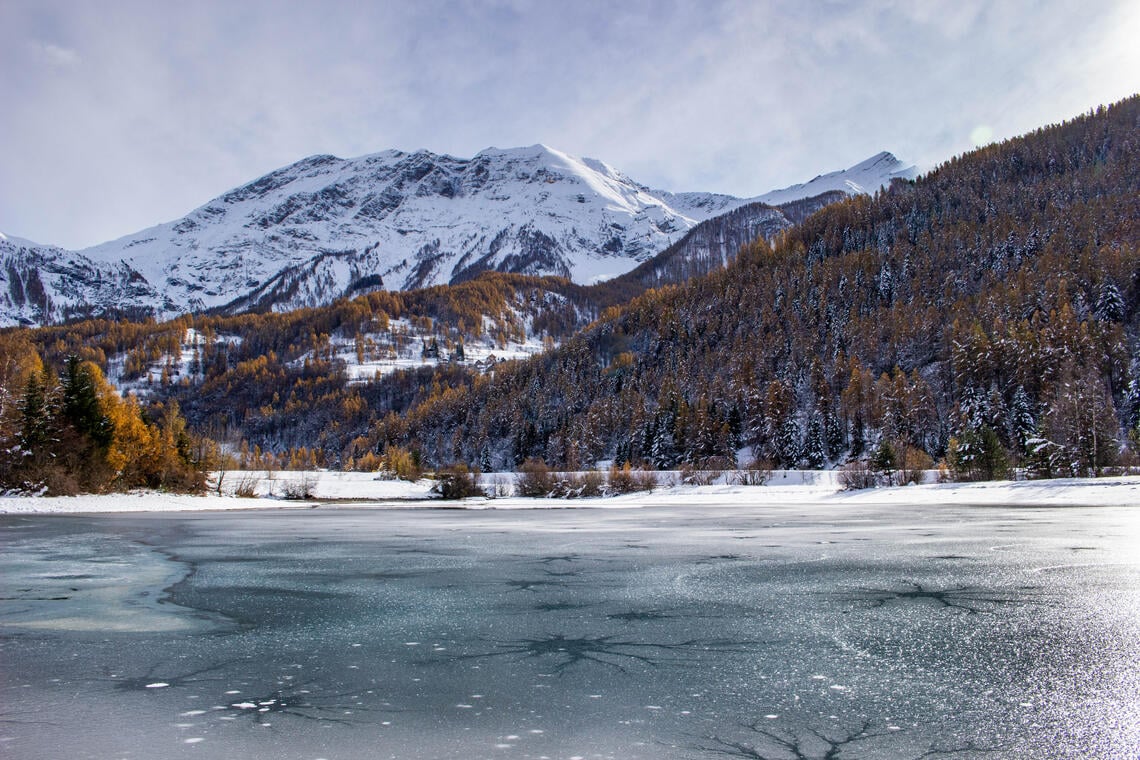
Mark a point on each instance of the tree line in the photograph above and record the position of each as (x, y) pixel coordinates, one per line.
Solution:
(69, 432)
(985, 316)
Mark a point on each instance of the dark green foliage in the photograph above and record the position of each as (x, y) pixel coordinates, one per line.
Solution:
(885, 461)
(814, 456)
(35, 415)
(1110, 303)
(81, 408)
(979, 455)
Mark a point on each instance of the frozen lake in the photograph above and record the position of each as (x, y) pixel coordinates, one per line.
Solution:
(848, 631)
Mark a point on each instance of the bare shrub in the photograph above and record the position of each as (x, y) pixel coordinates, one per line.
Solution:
(457, 482)
(534, 479)
(912, 465)
(719, 463)
(857, 475)
(301, 488)
(695, 477)
(757, 473)
(620, 479)
(592, 485)
(246, 487)
(575, 485)
(750, 477)
(498, 488)
(644, 480)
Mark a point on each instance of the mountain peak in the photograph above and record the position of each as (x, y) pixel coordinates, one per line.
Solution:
(865, 177)
(326, 227)
(883, 161)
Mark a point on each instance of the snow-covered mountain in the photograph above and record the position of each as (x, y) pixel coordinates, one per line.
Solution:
(327, 227)
(862, 178)
(41, 284)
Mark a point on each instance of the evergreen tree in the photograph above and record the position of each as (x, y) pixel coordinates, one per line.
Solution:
(833, 431)
(36, 416)
(81, 407)
(979, 455)
(1022, 419)
(1109, 303)
(787, 444)
(885, 461)
(663, 448)
(814, 456)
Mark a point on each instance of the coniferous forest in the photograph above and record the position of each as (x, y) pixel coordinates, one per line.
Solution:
(985, 315)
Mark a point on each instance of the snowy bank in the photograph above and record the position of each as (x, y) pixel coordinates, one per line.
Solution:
(353, 489)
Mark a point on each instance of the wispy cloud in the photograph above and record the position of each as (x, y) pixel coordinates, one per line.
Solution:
(54, 55)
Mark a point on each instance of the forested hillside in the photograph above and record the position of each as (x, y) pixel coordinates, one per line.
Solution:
(987, 311)
(71, 432)
(316, 379)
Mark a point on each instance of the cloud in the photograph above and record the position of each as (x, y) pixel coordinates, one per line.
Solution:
(54, 55)
(127, 113)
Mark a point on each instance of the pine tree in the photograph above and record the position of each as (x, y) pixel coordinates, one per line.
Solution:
(978, 455)
(35, 416)
(885, 460)
(663, 449)
(81, 405)
(1109, 303)
(814, 456)
(787, 444)
(1022, 419)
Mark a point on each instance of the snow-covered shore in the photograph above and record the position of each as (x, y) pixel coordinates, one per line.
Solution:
(364, 490)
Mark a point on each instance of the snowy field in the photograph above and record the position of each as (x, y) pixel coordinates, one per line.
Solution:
(784, 487)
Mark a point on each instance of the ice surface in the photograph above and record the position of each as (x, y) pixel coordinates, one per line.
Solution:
(717, 629)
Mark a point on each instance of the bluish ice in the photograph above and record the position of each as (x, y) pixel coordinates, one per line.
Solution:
(667, 632)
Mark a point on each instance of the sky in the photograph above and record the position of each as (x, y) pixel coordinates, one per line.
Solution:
(116, 115)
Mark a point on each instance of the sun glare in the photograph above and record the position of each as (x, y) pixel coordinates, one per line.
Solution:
(981, 135)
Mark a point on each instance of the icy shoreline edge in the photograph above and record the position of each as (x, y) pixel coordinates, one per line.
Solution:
(337, 490)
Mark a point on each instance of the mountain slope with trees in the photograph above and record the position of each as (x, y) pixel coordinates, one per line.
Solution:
(245, 377)
(987, 312)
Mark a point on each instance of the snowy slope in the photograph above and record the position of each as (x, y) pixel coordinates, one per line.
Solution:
(862, 178)
(327, 227)
(41, 284)
(411, 220)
